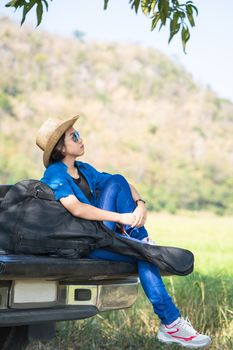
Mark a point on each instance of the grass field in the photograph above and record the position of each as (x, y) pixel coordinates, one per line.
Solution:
(205, 296)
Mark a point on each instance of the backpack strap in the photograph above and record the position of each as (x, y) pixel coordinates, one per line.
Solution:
(39, 193)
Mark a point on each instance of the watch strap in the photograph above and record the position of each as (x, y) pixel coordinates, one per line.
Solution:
(140, 200)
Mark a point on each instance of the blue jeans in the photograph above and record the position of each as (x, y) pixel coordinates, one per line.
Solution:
(116, 196)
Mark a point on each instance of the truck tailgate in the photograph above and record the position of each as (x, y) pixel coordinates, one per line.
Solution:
(31, 266)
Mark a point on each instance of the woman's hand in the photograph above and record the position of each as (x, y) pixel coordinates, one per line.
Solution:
(141, 214)
(127, 219)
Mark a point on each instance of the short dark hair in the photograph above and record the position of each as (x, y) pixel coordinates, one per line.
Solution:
(57, 154)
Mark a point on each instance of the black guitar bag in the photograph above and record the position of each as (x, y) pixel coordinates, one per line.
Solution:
(33, 222)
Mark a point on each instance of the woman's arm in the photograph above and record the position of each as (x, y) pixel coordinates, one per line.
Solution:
(134, 192)
(89, 212)
(140, 211)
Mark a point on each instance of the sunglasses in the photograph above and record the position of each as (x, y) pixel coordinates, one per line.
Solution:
(76, 136)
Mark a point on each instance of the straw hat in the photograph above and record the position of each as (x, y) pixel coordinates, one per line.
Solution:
(49, 134)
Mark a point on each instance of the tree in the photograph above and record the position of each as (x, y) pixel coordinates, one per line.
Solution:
(179, 15)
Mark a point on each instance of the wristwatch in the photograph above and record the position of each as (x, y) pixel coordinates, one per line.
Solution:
(140, 200)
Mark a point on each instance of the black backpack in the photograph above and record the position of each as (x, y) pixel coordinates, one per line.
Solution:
(33, 222)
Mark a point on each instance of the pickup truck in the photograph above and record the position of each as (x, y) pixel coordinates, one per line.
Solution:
(38, 291)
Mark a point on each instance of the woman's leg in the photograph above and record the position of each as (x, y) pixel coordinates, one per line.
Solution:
(156, 292)
(151, 282)
(116, 196)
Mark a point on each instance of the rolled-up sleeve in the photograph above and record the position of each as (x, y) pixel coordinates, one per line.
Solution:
(59, 185)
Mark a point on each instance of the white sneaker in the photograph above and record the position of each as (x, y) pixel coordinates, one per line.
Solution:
(182, 332)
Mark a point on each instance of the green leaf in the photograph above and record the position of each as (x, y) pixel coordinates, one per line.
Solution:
(189, 9)
(16, 3)
(153, 4)
(26, 9)
(174, 21)
(135, 4)
(24, 14)
(190, 15)
(174, 26)
(39, 13)
(148, 6)
(161, 24)
(191, 20)
(105, 4)
(174, 33)
(196, 10)
(46, 4)
(163, 9)
(185, 35)
(155, 20)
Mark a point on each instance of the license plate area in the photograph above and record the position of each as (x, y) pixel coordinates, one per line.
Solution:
(33, 293)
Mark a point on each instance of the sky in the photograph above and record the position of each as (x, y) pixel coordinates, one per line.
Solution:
(209, 55)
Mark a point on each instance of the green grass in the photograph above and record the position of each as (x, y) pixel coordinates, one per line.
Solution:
(205, 296)
(209, 237)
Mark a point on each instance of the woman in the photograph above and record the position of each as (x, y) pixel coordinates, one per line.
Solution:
(89, 194)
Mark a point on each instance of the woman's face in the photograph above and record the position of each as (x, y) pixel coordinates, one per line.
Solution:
(73, 143)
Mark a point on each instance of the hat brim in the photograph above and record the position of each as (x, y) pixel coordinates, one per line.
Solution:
(54, 138)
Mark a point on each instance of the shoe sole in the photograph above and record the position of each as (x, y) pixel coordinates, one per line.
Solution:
(190, 346)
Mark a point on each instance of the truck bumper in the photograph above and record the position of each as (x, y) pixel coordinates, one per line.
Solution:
(23, 317)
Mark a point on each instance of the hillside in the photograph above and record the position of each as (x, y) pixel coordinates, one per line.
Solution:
(141, 115)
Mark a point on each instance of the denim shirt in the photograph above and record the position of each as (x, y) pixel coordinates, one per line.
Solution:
(62, 184)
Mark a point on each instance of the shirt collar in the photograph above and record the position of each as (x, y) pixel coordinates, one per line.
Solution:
(63, 166)
(59, 165)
